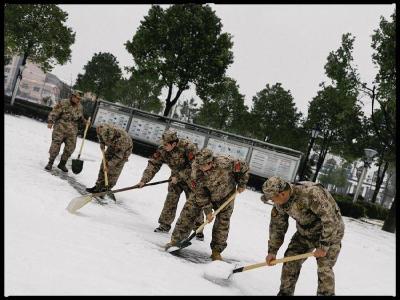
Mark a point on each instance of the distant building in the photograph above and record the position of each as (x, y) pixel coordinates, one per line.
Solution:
(353, 172)
(35, 86)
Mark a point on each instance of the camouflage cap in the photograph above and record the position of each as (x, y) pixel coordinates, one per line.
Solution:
(169, 136)
(105, 130)
(76, 93)
(272, 186)
(204, 156)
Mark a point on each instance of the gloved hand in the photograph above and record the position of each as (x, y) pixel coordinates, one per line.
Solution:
(209, 217)
(269, 258)
(241, 189)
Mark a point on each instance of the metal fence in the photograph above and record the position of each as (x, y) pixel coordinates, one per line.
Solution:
(264, 159)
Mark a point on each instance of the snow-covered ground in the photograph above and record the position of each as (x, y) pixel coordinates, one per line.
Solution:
(112, 249)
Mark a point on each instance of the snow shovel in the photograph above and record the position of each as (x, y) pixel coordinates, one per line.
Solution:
(78, 202)
(185, 243)
(77, 164)
(222, 271)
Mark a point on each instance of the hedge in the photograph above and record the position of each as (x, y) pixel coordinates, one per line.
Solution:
(360, 208)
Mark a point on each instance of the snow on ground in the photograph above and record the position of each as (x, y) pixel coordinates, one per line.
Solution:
(112, 249)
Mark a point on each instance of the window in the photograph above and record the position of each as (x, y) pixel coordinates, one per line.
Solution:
(36, 89)
(7, 70)
(24, 86)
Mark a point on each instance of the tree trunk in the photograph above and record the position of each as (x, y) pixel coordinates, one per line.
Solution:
(321, 158)
(379, 180)
(390, 223)
(169, 104)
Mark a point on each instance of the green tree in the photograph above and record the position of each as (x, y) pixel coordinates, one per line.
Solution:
(141, 91)
(184, 45)
(223, 107)
(101, 76)
(37, 32)
(371, 140)
(336, 104)
(275, 117)
(383, 92)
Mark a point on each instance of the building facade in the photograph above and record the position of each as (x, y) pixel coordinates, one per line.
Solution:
(385, 196)
(36, 85)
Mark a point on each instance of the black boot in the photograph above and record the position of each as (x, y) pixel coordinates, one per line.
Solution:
(62, 166)
(162, 228)
(49, 164)
(92, 189)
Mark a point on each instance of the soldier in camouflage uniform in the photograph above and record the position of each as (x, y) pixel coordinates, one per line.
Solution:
(319, 226)
(178, 154)
(65, 117)
(214, 180)
(119, 148)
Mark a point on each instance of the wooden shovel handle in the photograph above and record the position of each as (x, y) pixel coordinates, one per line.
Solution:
(127, 188)
(84, 135)
(105, 168)
(278, 261)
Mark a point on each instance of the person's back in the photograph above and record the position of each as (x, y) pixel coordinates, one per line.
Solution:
(220, 179)
(114, 136)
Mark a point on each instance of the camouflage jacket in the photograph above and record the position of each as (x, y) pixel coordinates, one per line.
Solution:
(179, 160)
(116, 139)
(66, 115)
(217, 183)
(316, 213)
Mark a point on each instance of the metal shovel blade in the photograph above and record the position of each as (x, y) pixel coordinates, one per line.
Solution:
(77, 166)
(179, 246)
(78, 202)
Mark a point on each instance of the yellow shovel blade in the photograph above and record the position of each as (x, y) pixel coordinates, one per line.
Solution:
(78, 202)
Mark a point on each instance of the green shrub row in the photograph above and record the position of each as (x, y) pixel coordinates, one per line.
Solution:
(360, 208)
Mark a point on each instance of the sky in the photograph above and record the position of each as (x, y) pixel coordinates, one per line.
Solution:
(271, 43)
(112, 249)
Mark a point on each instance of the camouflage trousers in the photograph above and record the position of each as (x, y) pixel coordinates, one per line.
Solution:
(291, 270)
(115, 165)
(168, 212)
(220, 229)
(58, 137)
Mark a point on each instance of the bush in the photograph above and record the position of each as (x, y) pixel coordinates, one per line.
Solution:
(360, 208)
(374, 211)
(359, 198)
(348, 208)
